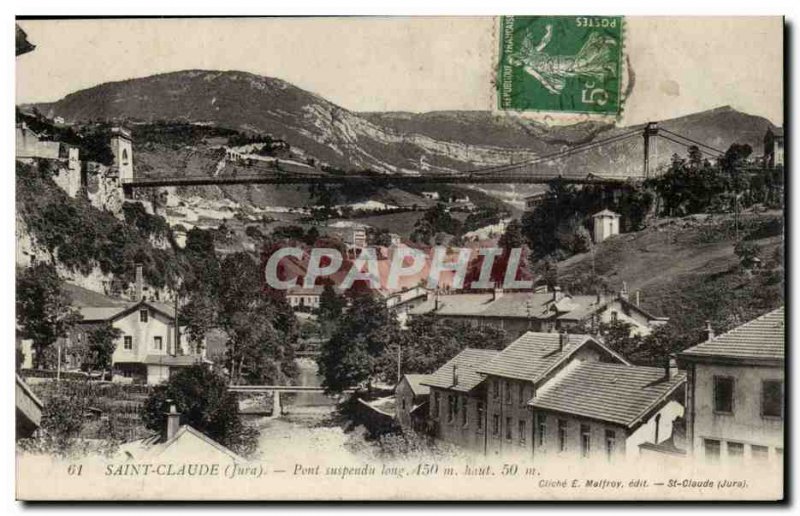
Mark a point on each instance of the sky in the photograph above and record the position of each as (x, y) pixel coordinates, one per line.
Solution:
(681, 65)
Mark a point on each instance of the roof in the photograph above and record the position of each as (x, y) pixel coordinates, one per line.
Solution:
(467, 362)
(606, 213)
(153, 445)
(616, 393)
(509, 304)
(534, 354)
(414, 383)
(762, 339)
(111, 313)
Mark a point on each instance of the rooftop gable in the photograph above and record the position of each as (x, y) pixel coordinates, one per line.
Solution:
(467, 362)
(532, 356)
(762, 339)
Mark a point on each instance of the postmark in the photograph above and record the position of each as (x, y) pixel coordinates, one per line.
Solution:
(567, 64)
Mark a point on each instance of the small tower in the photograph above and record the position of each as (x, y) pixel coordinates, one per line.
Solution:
(122, 147)
(606, 224)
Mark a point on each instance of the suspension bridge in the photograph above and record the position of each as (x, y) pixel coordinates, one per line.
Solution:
(538, 170)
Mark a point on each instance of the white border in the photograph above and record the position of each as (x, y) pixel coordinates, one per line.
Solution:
(790, 8)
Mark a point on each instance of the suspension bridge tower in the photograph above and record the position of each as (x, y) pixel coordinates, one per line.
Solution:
(649, 134)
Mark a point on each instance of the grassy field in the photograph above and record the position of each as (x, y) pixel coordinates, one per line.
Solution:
(686, 268)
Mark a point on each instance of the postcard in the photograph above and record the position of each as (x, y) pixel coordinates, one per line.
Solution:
(510, 258)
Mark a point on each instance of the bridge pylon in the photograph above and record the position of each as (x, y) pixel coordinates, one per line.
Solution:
(650, 130)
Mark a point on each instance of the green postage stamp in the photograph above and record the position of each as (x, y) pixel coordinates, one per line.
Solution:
(569, 64)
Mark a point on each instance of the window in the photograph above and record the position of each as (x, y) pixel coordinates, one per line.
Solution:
(614, 316)
(464, 420)
(711, 447)
(480, 416)
(562, 435)
(759, 453)
(143, 315)
(723, 394)
(127, 342)
(435, 410)
(772, 398)
(403, 403)
(124, 156)
(507, 392)
(541, 422)
(611, 443)
(522, 399)
(508, 428)
(735, 450)
(158, 343)
(495, 425)
(451, 408)
(522, 431)
(496, 389)
(586, 440)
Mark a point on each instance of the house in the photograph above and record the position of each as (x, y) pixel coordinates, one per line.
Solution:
(304, 299)
(607, 411)
(605, 224)
(519, 312)
(514, 376)
(147, 350)
(411, 400)
(433, 196)
(774, 147)
(457, 401)
(735, 396)
(535, 200)
(177, 442)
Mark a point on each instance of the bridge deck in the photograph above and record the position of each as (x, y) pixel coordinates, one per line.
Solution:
(155, 182)
(279, 388)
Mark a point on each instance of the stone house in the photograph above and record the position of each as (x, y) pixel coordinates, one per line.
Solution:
(411, 400)
(607, 411)
(735, 406)
(514, 376)
(146, 351)
(457, 400)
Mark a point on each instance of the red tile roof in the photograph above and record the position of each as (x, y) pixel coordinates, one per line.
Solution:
(616, 393)
(533, 355)
(467, 363)
(762, 339)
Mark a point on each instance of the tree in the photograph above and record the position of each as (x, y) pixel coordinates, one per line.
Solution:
(430, 342)
(512, 237)
(331, 304)
(102, 342)
(261, 328)
(348, 358)
(44, 313)
(618, 336)
(204, 402)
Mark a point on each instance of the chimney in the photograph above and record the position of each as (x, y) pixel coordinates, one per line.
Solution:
(455, 374)
(562, 340)
(173, 421)
(436, 300)
(139, 285)
(624, 292)
(637, 298)
(556, 294)
(709, 330)
(497, 292)
(667, 374)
